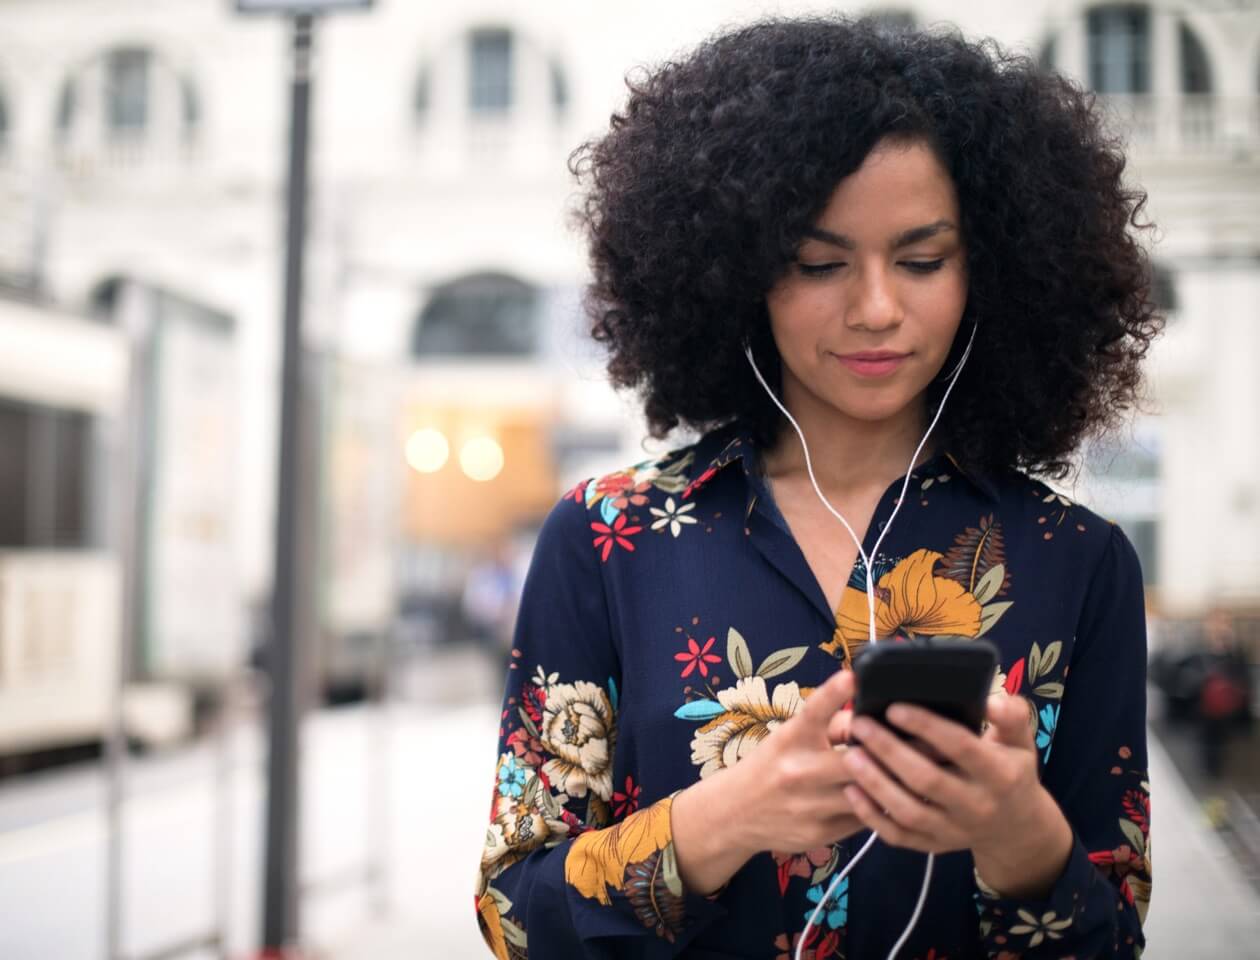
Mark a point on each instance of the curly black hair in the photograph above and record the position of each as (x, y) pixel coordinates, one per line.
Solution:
(703, 188)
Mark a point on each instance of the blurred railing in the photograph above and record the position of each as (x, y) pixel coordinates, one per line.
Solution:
(1189, 123)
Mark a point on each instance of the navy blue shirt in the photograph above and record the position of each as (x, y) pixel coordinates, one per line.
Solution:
(670, 622)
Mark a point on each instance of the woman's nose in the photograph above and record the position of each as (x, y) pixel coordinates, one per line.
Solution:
(874, 305)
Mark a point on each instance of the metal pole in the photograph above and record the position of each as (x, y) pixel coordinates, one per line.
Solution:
(280, 878)
(130, 435)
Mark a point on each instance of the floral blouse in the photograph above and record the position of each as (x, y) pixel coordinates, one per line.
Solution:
(670, 622)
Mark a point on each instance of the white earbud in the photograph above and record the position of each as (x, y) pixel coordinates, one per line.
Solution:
(870, 605)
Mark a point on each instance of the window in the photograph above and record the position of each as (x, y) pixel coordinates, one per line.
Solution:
(127, 90)
(65, 108)
(891, 20)
(1047, 54)
(559, 87)
(1119, 49)
(490, 71)
(420, 99)
(44, 476)
(488, 314)
(1196, 72)
(1164, 290)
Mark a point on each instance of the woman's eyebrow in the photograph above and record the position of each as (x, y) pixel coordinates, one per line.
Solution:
(903, 239)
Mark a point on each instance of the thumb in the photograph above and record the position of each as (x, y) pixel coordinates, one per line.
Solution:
(827, 699)
(1012, 720)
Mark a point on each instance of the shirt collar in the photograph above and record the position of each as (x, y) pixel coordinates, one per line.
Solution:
(720, 448)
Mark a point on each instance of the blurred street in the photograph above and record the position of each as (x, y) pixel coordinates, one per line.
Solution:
(411, 801)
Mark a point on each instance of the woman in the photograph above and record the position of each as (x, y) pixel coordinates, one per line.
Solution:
(879, 219)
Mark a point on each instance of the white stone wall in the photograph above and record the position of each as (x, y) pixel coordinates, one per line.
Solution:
(400, 206)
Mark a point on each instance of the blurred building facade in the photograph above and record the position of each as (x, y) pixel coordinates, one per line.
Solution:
(143, 141)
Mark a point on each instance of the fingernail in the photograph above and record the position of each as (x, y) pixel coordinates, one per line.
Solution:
(862, 727)
(855, 759)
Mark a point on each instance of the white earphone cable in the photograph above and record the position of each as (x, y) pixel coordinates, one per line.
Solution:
(867, 562)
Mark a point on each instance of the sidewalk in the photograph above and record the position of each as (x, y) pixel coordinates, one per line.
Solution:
(1201, 908)
(409, 782)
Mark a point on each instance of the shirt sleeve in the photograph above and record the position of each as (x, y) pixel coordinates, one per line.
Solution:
(571, 868)
(1097, 772)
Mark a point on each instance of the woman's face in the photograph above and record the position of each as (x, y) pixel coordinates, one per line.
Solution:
(865, 317)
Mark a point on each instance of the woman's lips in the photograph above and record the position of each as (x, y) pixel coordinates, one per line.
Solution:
(872, 364)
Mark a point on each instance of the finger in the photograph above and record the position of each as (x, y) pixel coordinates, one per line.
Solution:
(1012, 721)
(894, 799)
(891, 832)
(827, 698)
(839, 725)
(955, 742)
(920, 774)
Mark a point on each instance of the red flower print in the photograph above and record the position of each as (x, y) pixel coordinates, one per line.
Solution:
(1015, 679)
(628, 802)
(699, 482)
(618, 533)
(636, 495)
(815, 949)
(578, 493)
(614, 484)
(527, 748)
(697, 656)
(799, 864)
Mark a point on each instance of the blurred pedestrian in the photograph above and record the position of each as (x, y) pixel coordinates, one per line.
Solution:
(488, 602)
(1224, 687)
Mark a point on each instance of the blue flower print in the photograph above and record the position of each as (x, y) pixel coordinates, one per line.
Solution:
(836, 910)
(1049, 720)
(511, 778)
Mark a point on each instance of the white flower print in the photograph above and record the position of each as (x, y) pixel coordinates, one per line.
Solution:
(672, 516)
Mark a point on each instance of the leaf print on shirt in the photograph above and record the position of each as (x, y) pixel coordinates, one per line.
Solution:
(976, 551)
(599, 859)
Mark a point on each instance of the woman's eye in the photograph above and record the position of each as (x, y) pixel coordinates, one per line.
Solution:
(924, 266)
(817, 269)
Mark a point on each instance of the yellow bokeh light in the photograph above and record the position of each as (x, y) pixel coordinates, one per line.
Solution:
(428, 450)
(481, 459)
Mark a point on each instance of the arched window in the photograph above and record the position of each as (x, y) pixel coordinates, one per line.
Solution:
(490, 56)
(127, 83)
(127, 97)
(1119, 48)
(484, 314)
(1196, 70)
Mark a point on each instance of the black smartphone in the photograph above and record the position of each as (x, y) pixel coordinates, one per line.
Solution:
(950, 677)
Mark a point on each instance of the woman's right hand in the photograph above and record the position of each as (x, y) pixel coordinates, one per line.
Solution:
(785, 795)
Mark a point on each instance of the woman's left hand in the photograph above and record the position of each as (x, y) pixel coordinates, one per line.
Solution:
(985, 796)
